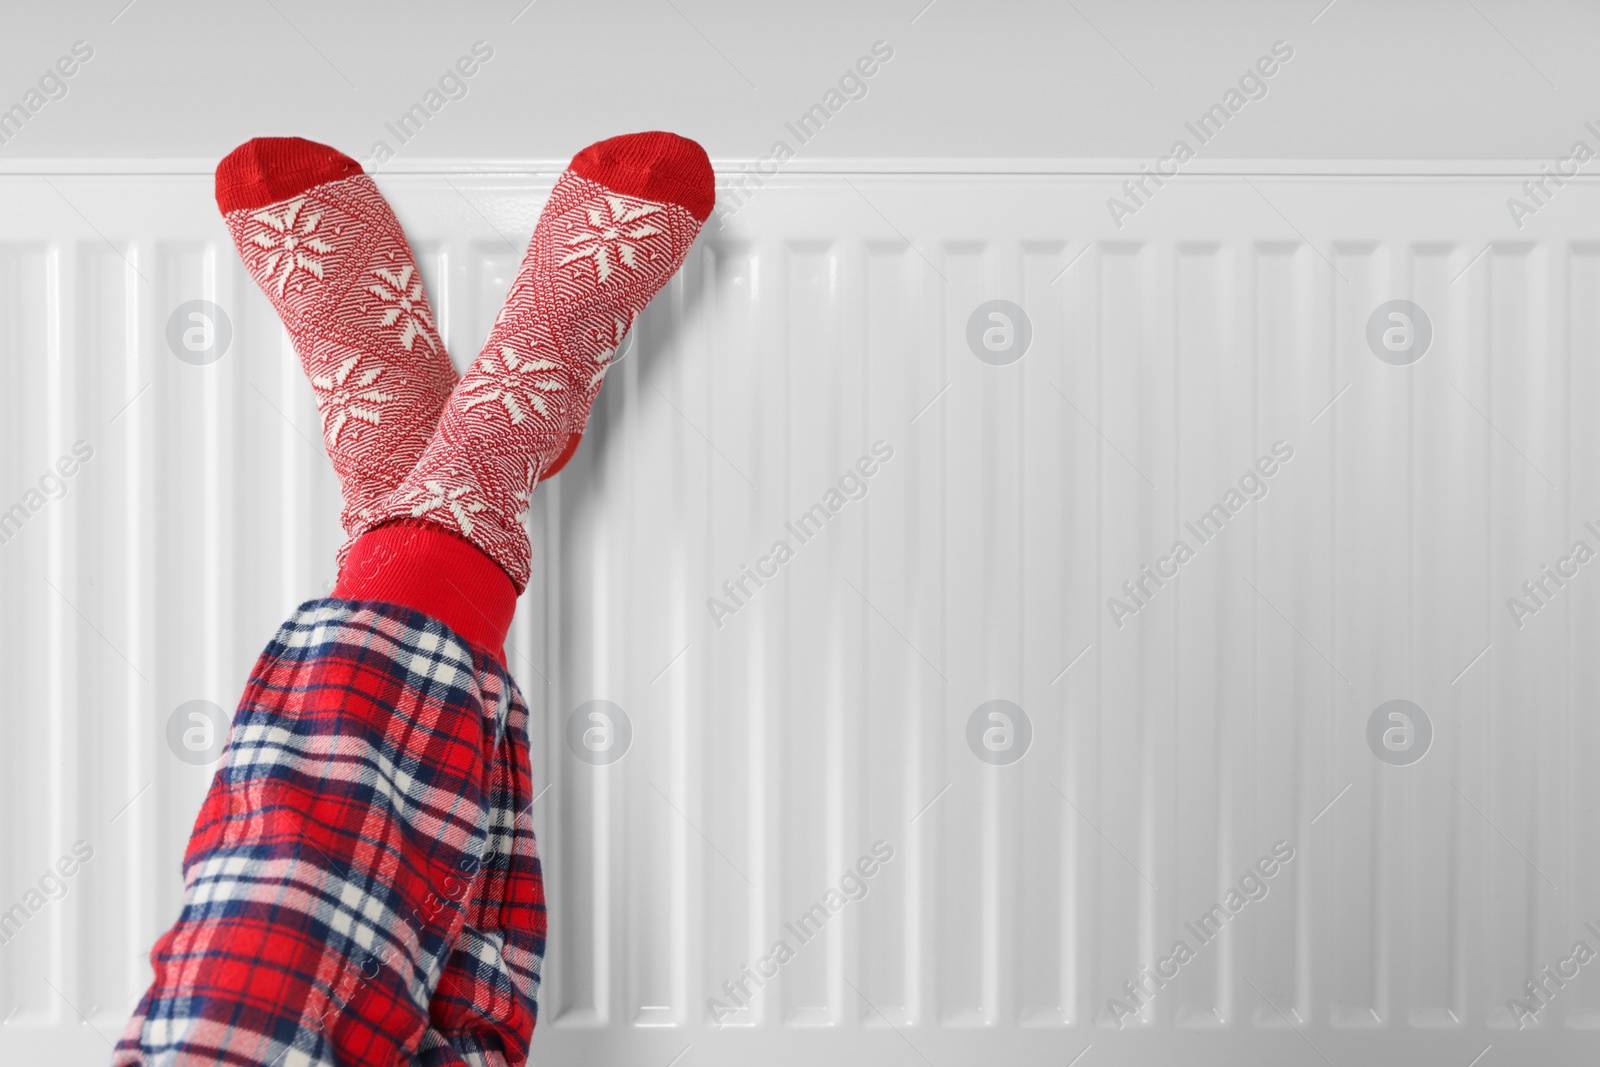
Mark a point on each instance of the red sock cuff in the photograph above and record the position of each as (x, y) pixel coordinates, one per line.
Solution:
(265, 170)
(423, 567)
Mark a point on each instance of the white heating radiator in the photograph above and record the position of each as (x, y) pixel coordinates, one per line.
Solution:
(1174, 741)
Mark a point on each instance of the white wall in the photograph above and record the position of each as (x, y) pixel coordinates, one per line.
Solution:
(1167, 355)
(1436, 79)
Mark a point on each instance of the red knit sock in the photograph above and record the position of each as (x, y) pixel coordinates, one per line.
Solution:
(323, 244)
(617, 226)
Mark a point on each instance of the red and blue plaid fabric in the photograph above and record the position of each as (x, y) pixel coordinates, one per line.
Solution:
(362, 884)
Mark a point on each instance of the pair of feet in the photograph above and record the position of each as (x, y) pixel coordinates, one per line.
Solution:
(411, 443)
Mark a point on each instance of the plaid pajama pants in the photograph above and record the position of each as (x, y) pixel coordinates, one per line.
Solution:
(362, 884)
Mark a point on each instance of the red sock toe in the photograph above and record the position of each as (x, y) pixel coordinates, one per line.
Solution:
(265, 170)
(573, 440)
(655, 166)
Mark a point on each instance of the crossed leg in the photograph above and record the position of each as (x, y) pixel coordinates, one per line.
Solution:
(362, 884)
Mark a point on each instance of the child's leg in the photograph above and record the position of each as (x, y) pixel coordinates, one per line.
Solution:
(324, 245)
(342, 847)
(616, 227)
(341, 851)
(324, 745)
(363, 885)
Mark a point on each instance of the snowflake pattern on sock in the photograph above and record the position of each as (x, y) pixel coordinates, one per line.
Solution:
(337, 268)
(339, 399)
(518, 382)
(613, 234)
(597, 257)
(291, 243)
